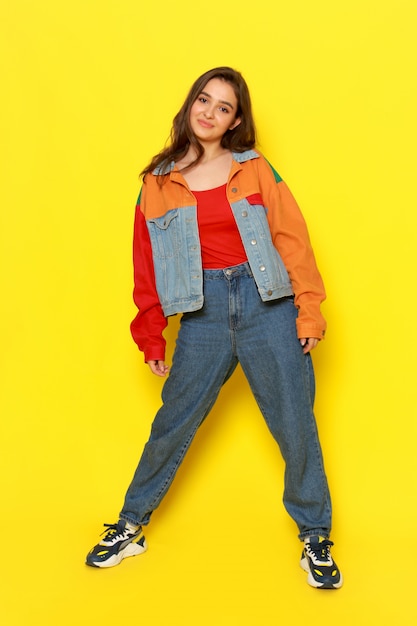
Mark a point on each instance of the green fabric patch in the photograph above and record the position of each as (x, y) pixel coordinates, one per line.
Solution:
(278, 178)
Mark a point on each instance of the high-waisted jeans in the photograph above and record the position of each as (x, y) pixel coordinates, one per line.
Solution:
(234, 326)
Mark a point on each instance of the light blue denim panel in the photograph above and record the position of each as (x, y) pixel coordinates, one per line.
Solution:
(268, 268)
(177, 260)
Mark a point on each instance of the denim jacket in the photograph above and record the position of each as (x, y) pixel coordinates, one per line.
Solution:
(272, 230)
(177, 254)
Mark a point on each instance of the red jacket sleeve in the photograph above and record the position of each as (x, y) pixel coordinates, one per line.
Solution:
(150, 321)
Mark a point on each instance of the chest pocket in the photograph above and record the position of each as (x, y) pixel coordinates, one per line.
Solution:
(166, 236)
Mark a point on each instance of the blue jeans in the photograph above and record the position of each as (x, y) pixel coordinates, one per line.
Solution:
(234, 326)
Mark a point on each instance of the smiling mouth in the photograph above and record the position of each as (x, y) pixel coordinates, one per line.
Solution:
(205, 124)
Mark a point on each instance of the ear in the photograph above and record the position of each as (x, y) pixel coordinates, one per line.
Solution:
(235, 123)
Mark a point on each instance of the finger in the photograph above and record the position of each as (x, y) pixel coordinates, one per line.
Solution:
(158, 368)
(310, 344)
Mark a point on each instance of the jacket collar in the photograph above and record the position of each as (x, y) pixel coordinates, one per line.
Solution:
(239, 157)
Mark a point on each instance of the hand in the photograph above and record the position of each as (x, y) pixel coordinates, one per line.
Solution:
(309, 344)
(158, 368)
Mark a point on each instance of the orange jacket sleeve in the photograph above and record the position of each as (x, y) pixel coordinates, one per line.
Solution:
(291, 238)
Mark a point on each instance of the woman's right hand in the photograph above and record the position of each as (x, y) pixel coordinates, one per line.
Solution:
(158, 368)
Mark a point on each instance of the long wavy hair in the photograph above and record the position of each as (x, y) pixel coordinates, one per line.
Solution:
(239, 139)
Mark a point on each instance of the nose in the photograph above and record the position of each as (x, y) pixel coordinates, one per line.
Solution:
(209, 112)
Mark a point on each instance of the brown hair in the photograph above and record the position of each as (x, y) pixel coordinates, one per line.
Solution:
(239, 139)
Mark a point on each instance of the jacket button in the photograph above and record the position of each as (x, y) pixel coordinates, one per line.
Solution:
(253, 242)
(234, 189)
(269, 292)
(262, 268)
(244, 214)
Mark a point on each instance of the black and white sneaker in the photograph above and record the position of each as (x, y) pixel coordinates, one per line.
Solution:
(316, 559)
(120, 541)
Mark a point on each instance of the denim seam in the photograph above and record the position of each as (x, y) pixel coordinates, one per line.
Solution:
(175, 467)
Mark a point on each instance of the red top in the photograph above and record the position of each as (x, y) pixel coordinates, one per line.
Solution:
(221, 245)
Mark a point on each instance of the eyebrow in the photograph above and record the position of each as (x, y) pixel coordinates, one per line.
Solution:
(204, 93)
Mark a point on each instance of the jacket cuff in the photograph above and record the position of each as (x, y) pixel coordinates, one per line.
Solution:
(307, 331)
(154, 354)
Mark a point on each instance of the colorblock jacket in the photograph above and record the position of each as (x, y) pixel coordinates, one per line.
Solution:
(168, 271)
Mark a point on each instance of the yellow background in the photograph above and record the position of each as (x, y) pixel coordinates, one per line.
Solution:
(88, 92)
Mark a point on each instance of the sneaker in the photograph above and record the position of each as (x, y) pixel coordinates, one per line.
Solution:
(119, 542)
(317, 561)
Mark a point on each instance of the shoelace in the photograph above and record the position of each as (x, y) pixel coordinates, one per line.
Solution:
(112, 530)
(320, 552)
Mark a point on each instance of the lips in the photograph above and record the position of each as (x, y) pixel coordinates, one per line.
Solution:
(205, 124)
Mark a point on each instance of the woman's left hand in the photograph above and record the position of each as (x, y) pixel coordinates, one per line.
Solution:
(308, 344)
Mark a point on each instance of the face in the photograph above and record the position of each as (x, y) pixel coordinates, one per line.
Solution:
(214, 111)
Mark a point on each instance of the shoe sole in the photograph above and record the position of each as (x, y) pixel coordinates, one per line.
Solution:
(132, 549)
(314, 583)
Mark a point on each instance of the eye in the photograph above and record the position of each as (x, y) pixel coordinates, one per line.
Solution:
(224, 110)
(202, 99)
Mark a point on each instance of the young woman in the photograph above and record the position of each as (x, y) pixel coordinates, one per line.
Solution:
(219, 238)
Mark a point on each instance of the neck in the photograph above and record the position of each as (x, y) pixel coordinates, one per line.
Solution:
(211, 153)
